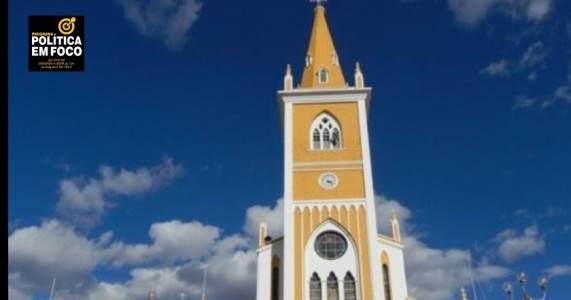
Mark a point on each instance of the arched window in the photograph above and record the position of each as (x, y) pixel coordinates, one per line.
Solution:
(325, 133)
(349, 287)
(315, 287)
(323, 76)
(332, 287)
(387, 282)
(275, 283)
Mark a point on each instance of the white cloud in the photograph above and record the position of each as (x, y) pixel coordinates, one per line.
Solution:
(472, 12)
(172, 241)
(39, 253)
(81, 201)
(433, 274)
(534, 55)
(538, 9)
(140, 181)
(499, 68)
(84, 201)
(15, 294)
(532, 58)
(172, 261)
(513, 245)
(561, 94)
(168, 20)
(274, 219)
(524, 102)
(558, 270)
(437, 274)
(384, 209)
(16, 288)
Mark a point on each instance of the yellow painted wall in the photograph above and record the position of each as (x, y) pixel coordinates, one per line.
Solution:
(347, 116)
(306, 185)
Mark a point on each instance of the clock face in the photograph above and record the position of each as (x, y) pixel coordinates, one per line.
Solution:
(328, 180)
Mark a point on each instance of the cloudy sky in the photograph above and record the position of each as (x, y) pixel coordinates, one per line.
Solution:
(160, 158)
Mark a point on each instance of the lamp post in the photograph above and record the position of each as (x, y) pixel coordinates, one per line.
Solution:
(152, 296)
(522, 279)
(182, 296)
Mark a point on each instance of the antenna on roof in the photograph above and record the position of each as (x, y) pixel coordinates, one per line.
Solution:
(474, 278)
(469, 263)
(53, 289)
(204, 284)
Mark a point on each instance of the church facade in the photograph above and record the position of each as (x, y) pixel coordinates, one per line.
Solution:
(330, 248)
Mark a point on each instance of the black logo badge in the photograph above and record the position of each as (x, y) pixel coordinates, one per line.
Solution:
(56, 43)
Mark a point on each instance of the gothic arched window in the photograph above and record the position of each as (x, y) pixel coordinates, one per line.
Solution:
(332, 287)
(350, 292)
(325, 133)
(387, 282)
(315, 287)
(323, 76)
(275, 283)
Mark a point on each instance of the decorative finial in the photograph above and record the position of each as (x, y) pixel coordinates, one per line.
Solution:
(262, 231)
(318, 2)
(359, 80)
(395, 226)
(394, 214)
(288, 86)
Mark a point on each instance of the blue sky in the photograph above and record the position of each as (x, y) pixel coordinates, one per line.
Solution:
(161, 156)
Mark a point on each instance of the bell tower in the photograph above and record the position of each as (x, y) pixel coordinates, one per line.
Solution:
(330, 249)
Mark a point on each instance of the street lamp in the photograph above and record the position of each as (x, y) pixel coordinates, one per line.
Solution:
(522, 279)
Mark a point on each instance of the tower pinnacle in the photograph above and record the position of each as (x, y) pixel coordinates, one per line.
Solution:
(322, 69)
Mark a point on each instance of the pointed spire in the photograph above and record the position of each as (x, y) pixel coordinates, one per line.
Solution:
(359, 80)
(395, 226)
(288, 79)
(322, 69)
(262, 232)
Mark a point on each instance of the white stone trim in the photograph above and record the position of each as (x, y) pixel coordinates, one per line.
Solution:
(370, 195)
(328, 163)
(389, 241)
(288, 276)
(325, 95)
(328, 202)
(334, 168)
